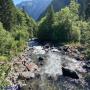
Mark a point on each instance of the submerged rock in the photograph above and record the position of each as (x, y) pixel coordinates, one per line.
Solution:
(13, 87)
(41, 61)
(87, 67)
(47, 46)
(55, 50)
(40, 58)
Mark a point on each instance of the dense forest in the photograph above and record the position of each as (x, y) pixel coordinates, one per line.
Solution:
(66, 26)
(16, 27)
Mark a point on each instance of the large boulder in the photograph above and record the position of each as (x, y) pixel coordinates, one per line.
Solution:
(40, 59)
(32, 67)
(70, 73)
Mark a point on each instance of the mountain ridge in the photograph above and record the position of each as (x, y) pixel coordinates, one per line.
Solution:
(34, 8)
(38, 8)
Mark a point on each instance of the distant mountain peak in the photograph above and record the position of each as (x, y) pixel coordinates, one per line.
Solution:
(34, 7)
(38, 8)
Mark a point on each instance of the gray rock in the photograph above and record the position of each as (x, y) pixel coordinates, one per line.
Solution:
(47, 46)
(26, 75)
(87, 67)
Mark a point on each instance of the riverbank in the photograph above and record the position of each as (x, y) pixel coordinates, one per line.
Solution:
(45, 64)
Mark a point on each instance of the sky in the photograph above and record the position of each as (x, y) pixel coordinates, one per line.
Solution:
(18, 1)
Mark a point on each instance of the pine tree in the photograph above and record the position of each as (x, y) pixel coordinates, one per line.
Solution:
(50, 15)
(7, 14)
(49, 22)
(30, 23)
(45, 27)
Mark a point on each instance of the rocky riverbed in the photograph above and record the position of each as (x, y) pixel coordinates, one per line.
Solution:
(45, 67)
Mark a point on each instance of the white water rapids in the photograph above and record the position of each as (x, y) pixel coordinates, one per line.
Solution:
(55, 60)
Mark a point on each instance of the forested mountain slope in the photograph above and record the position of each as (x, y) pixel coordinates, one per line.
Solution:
(38, 9)
(34, 7)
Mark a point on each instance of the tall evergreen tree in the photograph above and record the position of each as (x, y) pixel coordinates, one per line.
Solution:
(30, 23)
(7, 14)
(50, 15)
(45, 28)
(50, 21)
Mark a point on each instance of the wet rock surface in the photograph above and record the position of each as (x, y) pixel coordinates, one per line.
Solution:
(61, 68)
(69, 73)
(87, 66)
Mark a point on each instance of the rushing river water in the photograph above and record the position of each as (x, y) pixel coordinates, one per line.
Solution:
(51, 74)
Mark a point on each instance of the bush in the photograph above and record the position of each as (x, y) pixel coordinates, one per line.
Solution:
(26, 22)
(4, 69)
(85, 37)
(20, 33)
(6, 41)
(3, 58)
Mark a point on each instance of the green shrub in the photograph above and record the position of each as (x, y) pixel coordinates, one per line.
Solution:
(20, 33)
(6, 41)
(4, 69)
(3, 58)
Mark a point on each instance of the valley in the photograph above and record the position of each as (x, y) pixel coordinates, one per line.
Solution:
(45, 67)
(45, 45)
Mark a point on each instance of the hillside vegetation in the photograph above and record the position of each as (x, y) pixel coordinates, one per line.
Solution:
(16, 27)
(66, 26)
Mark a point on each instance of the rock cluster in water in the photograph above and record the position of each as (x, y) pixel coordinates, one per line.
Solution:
(47, 62)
